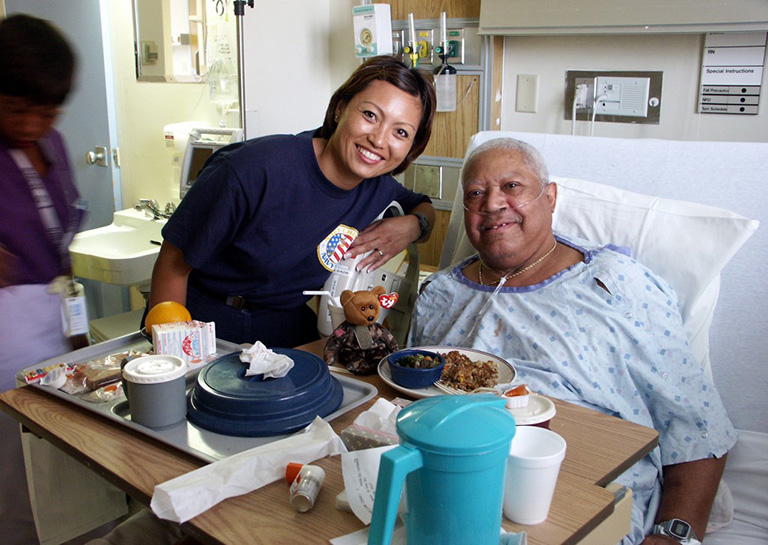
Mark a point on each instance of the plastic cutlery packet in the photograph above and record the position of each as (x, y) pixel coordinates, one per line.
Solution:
(188, 495)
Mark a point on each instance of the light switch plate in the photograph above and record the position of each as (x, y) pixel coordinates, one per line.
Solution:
(527, 93)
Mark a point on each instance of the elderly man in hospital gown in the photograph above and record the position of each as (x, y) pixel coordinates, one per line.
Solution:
(585, 324)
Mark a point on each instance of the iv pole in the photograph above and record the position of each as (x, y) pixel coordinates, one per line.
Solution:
(239, 13)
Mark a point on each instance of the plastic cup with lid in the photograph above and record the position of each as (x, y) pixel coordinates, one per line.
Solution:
(156, 390)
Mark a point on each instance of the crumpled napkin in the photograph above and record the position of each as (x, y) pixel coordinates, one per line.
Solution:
(263, 361)
(190, 494)
(382, 416)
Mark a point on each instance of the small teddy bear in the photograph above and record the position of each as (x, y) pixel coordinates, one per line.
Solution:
(360, 343)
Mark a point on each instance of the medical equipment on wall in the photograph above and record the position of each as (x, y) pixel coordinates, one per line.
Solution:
(445, 74)
(412, 49)
(372, 25)
(176, 136)
(201, 144)
(399, 275)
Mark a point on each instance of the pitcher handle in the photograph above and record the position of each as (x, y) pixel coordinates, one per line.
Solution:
(395, 465)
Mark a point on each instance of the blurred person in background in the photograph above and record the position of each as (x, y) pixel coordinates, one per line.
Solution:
(38, 219)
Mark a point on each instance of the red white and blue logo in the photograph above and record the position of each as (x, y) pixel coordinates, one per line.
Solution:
(333, 247)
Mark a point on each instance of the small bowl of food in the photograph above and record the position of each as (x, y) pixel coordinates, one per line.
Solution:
(415, 369)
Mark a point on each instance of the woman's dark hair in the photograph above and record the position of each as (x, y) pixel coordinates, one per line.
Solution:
(391, 70)
(36, 61)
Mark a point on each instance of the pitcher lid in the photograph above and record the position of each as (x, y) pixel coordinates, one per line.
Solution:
(457, 424)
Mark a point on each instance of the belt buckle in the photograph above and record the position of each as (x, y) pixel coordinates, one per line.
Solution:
(236, 301)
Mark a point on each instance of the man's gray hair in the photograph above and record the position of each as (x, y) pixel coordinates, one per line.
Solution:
(532, 158)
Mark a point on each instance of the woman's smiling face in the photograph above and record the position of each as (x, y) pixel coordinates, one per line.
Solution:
(375, 132)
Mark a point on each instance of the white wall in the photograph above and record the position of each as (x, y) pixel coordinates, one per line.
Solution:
(295, 57)
(677, 56)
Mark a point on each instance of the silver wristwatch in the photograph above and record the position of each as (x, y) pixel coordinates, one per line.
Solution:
(677, 529)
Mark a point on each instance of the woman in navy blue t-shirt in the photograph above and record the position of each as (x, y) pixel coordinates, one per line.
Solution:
(270, 217)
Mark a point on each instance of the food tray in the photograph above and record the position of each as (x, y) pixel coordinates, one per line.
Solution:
(185, 436)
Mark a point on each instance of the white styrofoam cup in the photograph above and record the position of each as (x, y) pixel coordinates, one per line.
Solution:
(532, 469)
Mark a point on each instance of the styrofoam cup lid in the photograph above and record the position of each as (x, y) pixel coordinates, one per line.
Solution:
(154, 369)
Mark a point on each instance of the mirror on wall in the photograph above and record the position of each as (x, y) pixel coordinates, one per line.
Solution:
(177, 40)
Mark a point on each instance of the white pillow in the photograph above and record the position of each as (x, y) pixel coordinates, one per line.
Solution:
(687, 244)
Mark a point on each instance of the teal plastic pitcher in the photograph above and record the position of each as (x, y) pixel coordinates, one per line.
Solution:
(452, 458)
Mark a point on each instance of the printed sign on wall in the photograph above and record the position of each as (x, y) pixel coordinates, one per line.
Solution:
(732, 72)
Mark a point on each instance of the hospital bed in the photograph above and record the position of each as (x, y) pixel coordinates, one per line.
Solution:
(690, 211)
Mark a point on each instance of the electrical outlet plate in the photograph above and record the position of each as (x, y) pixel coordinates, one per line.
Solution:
(613, 111)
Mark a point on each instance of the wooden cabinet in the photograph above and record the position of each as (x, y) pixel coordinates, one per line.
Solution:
(431, 9)
(451, 131)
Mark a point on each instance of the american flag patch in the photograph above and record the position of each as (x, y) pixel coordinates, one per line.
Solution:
(338, 246)
(333, 247)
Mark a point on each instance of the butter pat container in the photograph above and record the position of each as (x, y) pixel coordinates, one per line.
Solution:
(194, 341)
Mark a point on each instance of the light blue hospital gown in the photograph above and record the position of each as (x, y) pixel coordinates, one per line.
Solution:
(623, 353)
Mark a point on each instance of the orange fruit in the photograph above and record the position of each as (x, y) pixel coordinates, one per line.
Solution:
(165, 313)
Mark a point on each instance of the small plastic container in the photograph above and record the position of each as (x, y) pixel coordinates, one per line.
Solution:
(306, 482)
(414, 378)
(517, 397)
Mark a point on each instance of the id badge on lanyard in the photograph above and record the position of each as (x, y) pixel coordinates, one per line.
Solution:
(74, 313)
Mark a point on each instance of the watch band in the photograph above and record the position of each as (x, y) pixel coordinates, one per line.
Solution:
(677, 529)
(423, 224)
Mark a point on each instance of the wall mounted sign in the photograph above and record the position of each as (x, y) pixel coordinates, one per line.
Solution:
(732, 72)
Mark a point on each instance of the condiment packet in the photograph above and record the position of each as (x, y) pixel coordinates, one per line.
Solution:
(188, 495)
(32, 376)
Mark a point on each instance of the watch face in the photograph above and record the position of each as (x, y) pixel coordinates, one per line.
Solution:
(679, 528)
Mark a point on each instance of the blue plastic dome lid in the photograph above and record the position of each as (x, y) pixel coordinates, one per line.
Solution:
(226, 401)
(457, 424)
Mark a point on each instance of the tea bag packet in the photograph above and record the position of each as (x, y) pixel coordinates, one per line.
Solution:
(263, 361)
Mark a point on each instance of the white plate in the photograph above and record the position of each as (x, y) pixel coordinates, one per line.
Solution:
(507, 373)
